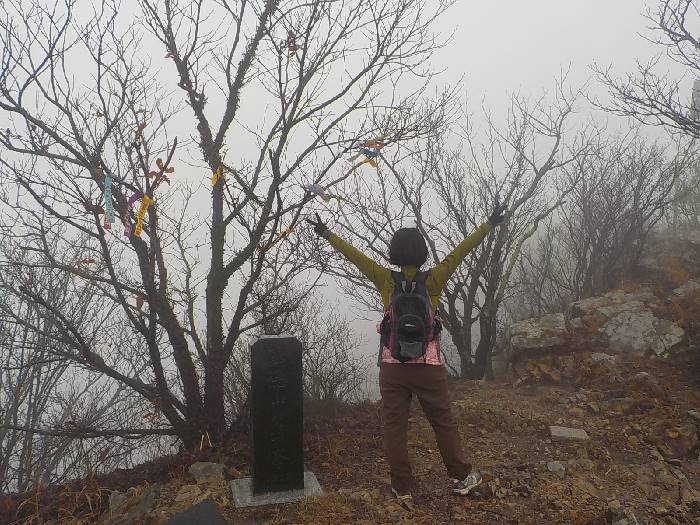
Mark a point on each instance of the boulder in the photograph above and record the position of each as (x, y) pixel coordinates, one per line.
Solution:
(637, 329)
(568, 434)
(132, 507)
(588, 313)
(207, 472)
(617, 322)
(623, 322)
(534, 336)
(116, 500)
(686, 290)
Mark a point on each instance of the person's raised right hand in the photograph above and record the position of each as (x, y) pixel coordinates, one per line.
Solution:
(498, 215)
(320, 227)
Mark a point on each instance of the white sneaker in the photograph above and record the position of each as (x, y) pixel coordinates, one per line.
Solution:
(405, 500)
(464, 486)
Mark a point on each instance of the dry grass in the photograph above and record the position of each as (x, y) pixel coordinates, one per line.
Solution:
(79, 504)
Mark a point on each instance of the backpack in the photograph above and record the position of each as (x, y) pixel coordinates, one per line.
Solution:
(409, 324)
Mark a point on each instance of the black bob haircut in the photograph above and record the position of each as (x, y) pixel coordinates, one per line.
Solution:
(408, 248)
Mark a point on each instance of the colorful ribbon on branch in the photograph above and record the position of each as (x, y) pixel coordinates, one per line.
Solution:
(127, 213)
(216, 175)
(292, 45)
(320, 191)
(371, 150)
(160, 175)
(138, 132)
(284, 233)
(92, 208)
(109, 207)
(145, 204)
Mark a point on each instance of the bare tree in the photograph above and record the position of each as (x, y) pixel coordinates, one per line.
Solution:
(621, 190)
(654, 97)
(685, 209)
(448, 193)
(270, 94)
(40, 389)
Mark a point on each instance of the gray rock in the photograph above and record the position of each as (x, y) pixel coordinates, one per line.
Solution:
(618, 515)
(132, 509)
(686, 289)
(603, 359)
(536, 335)
(556, 467)
(664, 477)
(568, 434)
(624, 322)
(645, 382)
(207, 472)
(615, 511)
(639, 330)
(205, 512)
(694, 414)
(116, 500)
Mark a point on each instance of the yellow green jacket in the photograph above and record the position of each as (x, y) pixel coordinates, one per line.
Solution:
(438, 276)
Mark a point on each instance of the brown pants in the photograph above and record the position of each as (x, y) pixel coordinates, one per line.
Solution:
(397, 383)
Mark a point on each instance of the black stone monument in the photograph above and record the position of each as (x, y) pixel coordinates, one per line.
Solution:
(277, 413)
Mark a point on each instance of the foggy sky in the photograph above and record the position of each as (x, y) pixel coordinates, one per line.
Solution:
(513, 45)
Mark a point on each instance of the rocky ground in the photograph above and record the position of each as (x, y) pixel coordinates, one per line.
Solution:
(638, 465)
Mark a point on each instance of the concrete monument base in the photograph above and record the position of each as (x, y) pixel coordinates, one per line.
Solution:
(243, 496)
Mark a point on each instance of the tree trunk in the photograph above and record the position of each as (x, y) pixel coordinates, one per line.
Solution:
(214, 417)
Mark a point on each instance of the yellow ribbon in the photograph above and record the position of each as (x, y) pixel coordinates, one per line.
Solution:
(145, 204)
(284, 233)
(216, 175)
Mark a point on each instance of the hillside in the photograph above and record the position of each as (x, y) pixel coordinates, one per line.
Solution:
(640, 463)
(505, 427)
